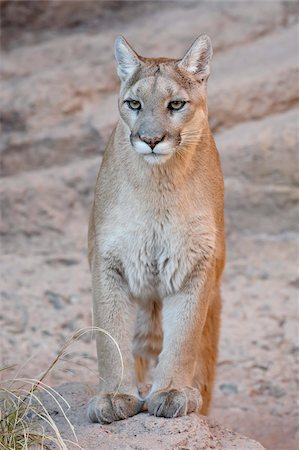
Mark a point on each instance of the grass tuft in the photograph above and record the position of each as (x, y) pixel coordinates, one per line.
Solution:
(24, 419)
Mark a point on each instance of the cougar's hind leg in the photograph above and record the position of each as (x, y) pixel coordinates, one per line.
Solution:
(147, 341)
(208, 351)
(141, 368)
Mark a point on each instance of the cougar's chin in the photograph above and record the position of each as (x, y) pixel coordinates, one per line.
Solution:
(157, 158)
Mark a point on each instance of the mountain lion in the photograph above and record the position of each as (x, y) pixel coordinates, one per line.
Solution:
(156, 240)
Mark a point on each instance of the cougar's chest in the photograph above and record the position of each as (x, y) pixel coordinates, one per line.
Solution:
(141, 261)
(155, 257)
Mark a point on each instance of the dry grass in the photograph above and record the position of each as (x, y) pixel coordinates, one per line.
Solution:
(24, 419)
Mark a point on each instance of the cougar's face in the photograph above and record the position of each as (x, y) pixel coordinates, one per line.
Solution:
(162, 102)
(156, 110)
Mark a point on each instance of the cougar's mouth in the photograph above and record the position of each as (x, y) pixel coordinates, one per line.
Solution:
(157, 155)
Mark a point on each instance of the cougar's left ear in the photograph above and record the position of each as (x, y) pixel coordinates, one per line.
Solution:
(198, 57)
(127, 60)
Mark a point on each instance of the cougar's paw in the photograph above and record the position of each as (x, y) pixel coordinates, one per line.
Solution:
(106, 408)
(174, 402)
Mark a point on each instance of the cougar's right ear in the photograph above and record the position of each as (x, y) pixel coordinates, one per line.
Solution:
(127, 60)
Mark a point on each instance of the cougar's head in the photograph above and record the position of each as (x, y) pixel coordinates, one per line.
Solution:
(163, 101)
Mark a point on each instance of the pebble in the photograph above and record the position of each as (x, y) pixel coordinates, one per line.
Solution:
(276, 391)
(264, 275)
(55, 299)
(229, 388)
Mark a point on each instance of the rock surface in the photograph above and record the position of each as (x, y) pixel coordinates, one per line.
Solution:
(58, 94)
(142, 431)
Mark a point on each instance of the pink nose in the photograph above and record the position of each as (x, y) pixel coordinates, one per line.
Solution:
(152, 141)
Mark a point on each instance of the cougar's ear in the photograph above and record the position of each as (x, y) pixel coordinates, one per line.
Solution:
(198, 57)
(127, 60)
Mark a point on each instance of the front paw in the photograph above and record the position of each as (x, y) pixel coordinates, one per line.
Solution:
(174, 402)
(106, 408)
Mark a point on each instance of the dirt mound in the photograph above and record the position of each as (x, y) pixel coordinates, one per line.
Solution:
(142, 431)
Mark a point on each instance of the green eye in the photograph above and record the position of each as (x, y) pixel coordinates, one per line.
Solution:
(134, 104)
(176, 105)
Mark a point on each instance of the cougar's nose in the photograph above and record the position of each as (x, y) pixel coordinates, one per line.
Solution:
(151, 141)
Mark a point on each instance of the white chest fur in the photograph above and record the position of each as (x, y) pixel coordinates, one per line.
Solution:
(156, 257)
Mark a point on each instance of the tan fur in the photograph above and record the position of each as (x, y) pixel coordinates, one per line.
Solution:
(156, 243)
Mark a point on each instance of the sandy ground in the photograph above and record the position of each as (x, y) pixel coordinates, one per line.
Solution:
(58, 105)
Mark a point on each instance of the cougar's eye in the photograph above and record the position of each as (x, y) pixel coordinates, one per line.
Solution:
(134, 104)
(176, 105)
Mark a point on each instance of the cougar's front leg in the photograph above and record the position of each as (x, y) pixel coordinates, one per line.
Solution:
(113, 312)
(184, 315)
